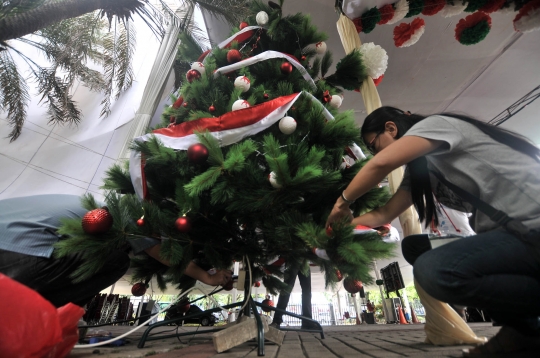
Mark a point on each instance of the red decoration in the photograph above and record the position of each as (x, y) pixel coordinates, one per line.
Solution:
(172, 119)
(184, 308)
(211, 109)
(97, 221)
(234, 56)
(192, 75)
(378, 80)
(329, 231)
(339, 275)
(140, 222)
(431, 7)
(352, 286)
(470, 21)
(257, 284)
(524, 11)
(286, 68)
(387, 13)
(183, 224)
(265, 96)
(185, 104)
(203, 56)
(303, 58)
(243, 25)
(197, 153)
(492, 6)
(178, 102)
(138, 289)
(228, 286)
(267, 302)
(358, 24)
(327, 97)
(404, 31)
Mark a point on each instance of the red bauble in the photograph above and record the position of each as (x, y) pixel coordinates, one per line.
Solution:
(140, 222)
(185, 104)
(265, 96)
(339, 275)
(178, 102)
(183, 224)
(257, 284)
(267, 302)
(183, 308)
(329, 231)
(303, 58)
(193, 75)
(138, 289)
(327, 97)
(172, 119)
(234, 56)
(243, 25)
(352, 286)
(228, 286)
(97, 221)
(286, 68)
(211, 109)
(197, 153)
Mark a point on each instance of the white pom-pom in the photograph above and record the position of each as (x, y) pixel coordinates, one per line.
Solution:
(320, 47)
(273, 180)
(242, 83)
(529, 22)
(240, 104)
(198, 66)
(261, 18)
(336, 101)
(375, 58)
(453, 10)
(401, 9)
(287, 125)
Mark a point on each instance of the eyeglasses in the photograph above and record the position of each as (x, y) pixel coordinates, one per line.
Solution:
(371, 145)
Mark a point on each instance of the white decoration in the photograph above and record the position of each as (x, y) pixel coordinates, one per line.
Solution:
(414, 37)
(287, 125)
(321, 253)
(375, 58)
(401, 9)
(240, 104)
(336, 101)
(199, 67)
(320, 47)
(262, 18)
(242, 83)
(528, 23)
(273, 180)
(453, 10)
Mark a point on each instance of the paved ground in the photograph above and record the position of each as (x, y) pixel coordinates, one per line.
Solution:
(340, 341)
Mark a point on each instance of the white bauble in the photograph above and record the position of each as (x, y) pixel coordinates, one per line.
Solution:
(320, 47)
(336, 101)
(199, 67)
(240, 104)
(287, 125)
(242, 83)
(273, 180)
(261, 18)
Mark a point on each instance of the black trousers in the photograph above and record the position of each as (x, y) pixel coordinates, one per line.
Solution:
(50, 276)
(283, 300)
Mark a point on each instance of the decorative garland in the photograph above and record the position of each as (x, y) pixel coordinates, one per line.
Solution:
(473, 29)
(375, 58)
(402, 8)
(370, 19)
(492, 6)
(528, 18)
(387, 13)
(473, 5)
(415, 7)
(453, 10)
(406, 35)
(431, 7)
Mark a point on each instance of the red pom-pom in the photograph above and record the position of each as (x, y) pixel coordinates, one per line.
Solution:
(97, 221)
(358, 24)
(138, 289)
(192, 75)
(140, 222)
(403, 32)
(431, 7)
(183, 224)
(286, 68)
(387, 13)
(492, 6)
(352, 286)
(339, 275)
(267, 302)
(197, 153)
(378, 80)
(524, 11)
(243, 25)
(234, 56)
(257, 284)
(470, 21)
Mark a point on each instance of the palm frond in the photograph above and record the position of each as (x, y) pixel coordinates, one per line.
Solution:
(13, 7)
(14, 95)
(232, 11)
(125, 48)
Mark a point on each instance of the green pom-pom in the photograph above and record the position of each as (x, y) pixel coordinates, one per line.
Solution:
(474, 34)
(415, 7)
(369, 19)
(474, 5)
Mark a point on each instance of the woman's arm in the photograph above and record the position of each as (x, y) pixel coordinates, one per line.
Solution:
(399, 153)
(386, 213)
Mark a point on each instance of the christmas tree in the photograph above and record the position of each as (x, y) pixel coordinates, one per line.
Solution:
(246, 165)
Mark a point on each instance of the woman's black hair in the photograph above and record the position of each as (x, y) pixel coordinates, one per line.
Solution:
(421, 191)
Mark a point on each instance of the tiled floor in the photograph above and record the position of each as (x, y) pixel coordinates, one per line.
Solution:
(340, 341)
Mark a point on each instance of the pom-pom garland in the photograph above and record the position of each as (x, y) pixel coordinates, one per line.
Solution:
(370, 19)
(473, 5)
(374, 58)
(387, 13)
(406, 35)
(452, 10)
(431, 7)
(473, 29)
(415, 8)
(528, 18)
(358, 24)
(401, 9)
(492, 6)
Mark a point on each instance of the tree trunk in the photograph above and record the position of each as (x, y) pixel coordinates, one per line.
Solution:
(25, 23)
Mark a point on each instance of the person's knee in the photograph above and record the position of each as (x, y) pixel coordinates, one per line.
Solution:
(413, 246)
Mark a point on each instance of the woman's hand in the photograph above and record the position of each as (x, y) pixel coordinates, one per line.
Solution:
(339, 212)
(220, 278)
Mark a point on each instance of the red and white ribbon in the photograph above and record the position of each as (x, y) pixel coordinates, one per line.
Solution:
(240, 36)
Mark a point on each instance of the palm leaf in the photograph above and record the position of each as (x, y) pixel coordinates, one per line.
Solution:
(14, 95)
